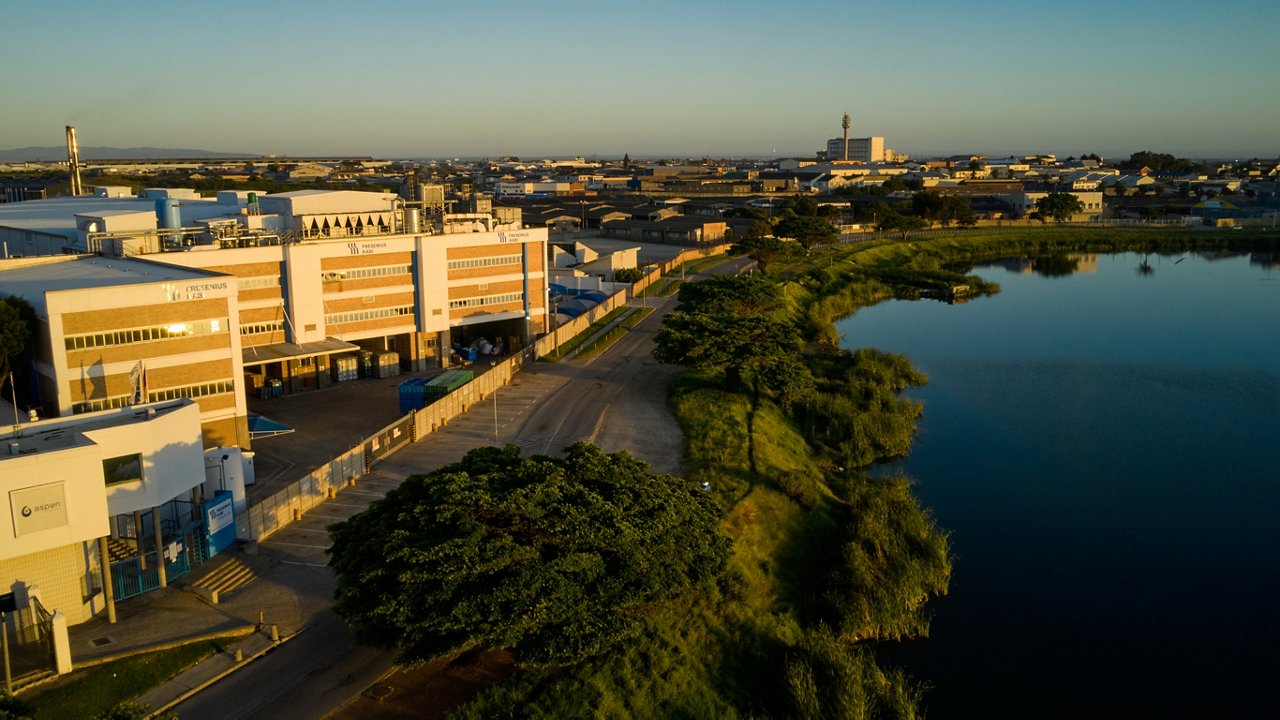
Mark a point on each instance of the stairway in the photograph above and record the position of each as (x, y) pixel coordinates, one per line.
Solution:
(228, 577)
(118, 550)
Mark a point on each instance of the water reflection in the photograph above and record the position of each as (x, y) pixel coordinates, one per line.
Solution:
(1052, 265)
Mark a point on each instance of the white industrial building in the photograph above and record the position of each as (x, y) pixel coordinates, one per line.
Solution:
(157, 315)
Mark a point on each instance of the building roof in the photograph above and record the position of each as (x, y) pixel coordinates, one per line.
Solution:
(63, 432)
(31, 278)
(57, 216)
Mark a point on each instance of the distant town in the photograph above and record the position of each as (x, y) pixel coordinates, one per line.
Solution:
(686, 200)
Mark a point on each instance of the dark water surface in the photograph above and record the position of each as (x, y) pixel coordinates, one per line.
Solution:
(1103, 449)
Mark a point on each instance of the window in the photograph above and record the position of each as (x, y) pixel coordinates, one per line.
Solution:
(485, 300)
(125, 468)
(349, 317)
(365, 272)
(262, 327)
(128, 337)
(484, 262)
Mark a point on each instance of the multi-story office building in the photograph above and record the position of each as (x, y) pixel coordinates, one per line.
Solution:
(269, 290)
(866, 150)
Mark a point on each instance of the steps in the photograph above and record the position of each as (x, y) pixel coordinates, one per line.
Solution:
(227, 578)
(118, 550)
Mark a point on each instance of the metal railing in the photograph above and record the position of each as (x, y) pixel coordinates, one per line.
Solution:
(28, 642)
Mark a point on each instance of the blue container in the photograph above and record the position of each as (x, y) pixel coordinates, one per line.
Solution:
(411, 395)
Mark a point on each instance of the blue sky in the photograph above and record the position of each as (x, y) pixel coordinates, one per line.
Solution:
(671, 79)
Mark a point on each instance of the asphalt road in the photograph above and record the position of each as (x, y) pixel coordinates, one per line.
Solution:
(304, 679)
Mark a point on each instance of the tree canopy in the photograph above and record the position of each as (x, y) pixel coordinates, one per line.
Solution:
(16, 324)
(808, 230)
(1059, 206)
(551, 558)
(763, 249)
(732, 325)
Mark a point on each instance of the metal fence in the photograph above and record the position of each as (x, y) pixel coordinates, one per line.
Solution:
(140, 574)
(277, 511)
(28, 644)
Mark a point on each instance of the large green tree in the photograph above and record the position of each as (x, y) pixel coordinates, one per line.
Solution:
(763, 249)
(554, 559)
(732, 325)
(1059, 206)
(807, 230)
(17, 321)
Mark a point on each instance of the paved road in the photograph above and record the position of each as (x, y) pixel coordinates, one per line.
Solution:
(617, 400)
(304, 679)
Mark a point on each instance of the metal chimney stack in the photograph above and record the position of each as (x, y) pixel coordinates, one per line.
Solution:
(73, 161)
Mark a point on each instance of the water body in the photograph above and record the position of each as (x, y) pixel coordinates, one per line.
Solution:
(1103, 449)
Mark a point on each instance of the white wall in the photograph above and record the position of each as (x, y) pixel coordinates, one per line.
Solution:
(71, 477)
(172, 458)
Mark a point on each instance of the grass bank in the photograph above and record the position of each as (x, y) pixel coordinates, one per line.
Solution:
(99, 688)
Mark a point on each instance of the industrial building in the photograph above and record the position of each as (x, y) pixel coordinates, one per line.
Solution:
(158, 314)
(207, 299)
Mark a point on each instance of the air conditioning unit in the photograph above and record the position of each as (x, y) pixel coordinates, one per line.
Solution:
(332, 276)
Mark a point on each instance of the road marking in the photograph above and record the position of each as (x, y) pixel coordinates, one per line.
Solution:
(330, 503)
(301, 529)
(326, 517)
(295, 562)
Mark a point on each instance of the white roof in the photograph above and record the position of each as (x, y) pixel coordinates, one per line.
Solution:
(31, 278)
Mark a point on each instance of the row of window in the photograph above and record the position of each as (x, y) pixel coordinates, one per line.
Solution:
(257, 283)
(350, 317)
(486, 300)
(484, 262)
(137, 335)
(190, 391)
(367, 272)
(262, 327)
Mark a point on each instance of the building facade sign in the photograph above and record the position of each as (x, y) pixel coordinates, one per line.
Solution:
(367, 248)
(519, 236)
(42, 507)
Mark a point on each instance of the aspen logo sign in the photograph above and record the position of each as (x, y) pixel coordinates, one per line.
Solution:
(42, 507)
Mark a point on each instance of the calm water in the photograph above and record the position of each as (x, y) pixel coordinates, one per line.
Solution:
(1103, 449)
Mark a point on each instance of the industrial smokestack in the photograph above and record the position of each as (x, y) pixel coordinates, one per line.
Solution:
(73, 161)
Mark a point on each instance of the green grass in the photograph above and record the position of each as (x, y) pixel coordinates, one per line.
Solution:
(671, 288)
(606, 341)
(697, 266)
(576, 341)
(102, 687)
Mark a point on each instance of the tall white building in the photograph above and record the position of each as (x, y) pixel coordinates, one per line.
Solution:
(867, 149)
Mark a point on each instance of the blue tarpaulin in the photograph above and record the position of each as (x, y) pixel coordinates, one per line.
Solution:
(260, 427)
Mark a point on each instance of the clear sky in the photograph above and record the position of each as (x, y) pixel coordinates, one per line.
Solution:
(650, 78)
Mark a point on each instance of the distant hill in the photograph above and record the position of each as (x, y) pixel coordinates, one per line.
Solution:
(92, 152)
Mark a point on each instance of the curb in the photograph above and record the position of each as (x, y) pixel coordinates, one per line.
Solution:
(237, 632)
(152, 712)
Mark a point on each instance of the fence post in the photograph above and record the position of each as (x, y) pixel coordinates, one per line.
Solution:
(62, 641)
